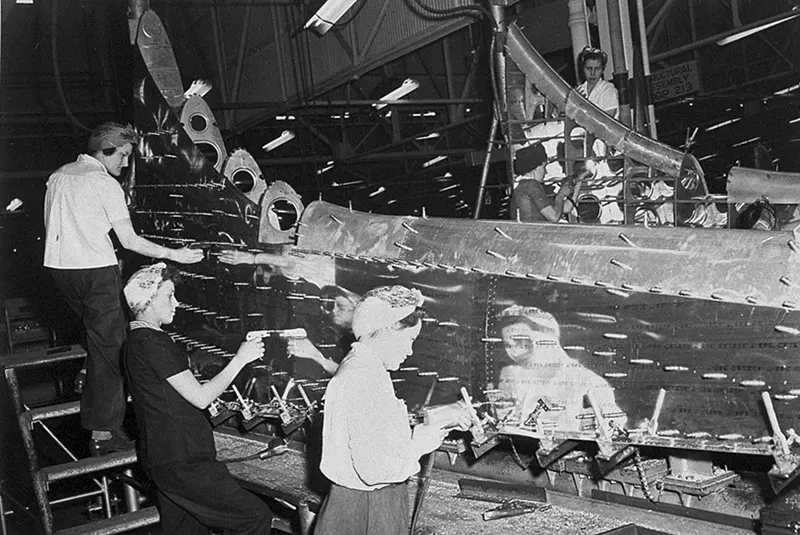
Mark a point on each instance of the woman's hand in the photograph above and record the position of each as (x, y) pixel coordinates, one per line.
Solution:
(303, 349)
(427, 437)
(186, 255)
(250, 350)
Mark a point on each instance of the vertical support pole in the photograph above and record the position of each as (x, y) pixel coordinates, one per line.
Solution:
(500, 28)
(25, 427)
(577, 30)
(222, 62)
(651, 110)
(499, 108)
(3, 527)
(237, 77)
(131, 495)
(485, 170)
(448, 73)
(618, 56)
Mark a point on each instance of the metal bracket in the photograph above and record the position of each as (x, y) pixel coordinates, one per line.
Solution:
(787, 464)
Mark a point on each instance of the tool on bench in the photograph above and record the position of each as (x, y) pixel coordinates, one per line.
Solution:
(514, 508)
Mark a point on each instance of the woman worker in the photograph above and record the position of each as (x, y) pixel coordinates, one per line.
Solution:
(195, 491)
(368, 447)
(592, 62)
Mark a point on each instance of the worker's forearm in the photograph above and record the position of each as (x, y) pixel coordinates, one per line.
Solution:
(271, 259)
(212, 389)
(145, 247)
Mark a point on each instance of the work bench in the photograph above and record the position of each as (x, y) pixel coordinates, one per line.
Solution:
(289, 478)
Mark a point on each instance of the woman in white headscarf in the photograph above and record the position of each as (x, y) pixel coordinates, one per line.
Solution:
(368, 447)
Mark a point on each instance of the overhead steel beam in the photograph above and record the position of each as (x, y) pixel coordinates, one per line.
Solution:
(381, 156)
(714, 38)
(352, 103)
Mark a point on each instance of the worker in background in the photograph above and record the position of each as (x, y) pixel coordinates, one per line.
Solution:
(592, 62)
(368, 447)
(338, 305)
(83, 203)
(530, 200)
(195, 491)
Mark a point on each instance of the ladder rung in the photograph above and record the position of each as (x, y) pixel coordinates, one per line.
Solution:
(116, 524)
(52, 355)
(54, 411)
(89, 465)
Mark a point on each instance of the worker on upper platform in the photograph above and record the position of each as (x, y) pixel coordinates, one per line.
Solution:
(592, 62)
(530, 201)
(83, 203)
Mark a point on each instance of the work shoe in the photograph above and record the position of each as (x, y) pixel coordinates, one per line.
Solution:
(80, 381)
(119, 441)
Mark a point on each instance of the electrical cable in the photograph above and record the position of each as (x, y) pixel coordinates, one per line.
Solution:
(471, 10)
(269, 451)
(426, 482)
(57, 72)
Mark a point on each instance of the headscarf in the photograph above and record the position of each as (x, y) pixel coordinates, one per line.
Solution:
(142, 286)
(539, 320)
(382, 307)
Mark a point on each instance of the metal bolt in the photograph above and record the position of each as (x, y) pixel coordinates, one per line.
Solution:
(620, 293)
(626, 239)
(617, 263)
(503, 234)
(408, 227)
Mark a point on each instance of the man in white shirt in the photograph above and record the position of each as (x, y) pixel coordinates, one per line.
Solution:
(83, 203)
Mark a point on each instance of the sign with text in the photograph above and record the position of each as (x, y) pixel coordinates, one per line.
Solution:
(674, 82)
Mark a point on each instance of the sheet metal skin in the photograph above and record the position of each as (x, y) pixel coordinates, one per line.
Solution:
(643, 308)
(674, 310)
(751, 185)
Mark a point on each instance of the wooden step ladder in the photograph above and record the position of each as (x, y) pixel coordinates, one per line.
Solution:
(42, 476)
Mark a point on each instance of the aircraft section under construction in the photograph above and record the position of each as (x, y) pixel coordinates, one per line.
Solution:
(629, 365)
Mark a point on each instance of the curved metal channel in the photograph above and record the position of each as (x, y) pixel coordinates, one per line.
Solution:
(634, 145)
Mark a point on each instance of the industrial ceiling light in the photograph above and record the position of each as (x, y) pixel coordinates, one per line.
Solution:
(327, 15)
(434, 161)
(285, 137)
(755, 29)
(405, 88)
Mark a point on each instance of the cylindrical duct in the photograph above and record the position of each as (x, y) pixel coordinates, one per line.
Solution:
(593, 119)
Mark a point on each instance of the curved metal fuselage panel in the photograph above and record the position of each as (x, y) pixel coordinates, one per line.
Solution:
(708, 316)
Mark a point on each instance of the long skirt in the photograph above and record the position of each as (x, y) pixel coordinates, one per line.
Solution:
(357, 512)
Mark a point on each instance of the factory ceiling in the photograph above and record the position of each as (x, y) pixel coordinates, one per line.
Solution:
(65, 66)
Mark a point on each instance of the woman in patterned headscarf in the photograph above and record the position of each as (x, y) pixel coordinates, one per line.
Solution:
(368, 447)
